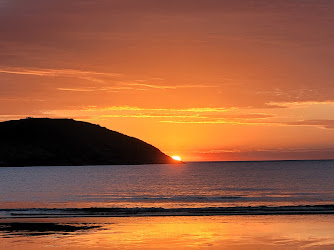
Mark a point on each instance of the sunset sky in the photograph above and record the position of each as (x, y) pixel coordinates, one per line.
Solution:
(203, 79)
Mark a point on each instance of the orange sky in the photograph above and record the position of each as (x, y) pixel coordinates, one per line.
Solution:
(203, 79)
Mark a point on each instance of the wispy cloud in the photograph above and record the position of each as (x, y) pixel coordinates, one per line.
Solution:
(223, 121)
(54, 72)
(244, 150)
(77, 89)
(134, 108)
(198, 115)
(73, 73)
(328, 124)
(291, 115)
(109, 82)
(20, 99)
(151, 116)
(158, 86)
(299, 104)
(324, 124)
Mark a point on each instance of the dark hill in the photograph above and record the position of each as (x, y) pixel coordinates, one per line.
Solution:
(55, 142)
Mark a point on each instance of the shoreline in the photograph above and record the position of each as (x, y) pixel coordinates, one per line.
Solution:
(174, 232)
(156, 212)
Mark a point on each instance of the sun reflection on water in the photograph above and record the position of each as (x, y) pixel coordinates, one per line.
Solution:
(215, 232)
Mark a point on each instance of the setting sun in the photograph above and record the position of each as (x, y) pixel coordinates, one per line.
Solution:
(177, 158)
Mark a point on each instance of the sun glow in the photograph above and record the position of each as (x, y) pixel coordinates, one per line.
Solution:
(177, 158)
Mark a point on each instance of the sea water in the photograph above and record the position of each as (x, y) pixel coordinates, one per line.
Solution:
(190, 185)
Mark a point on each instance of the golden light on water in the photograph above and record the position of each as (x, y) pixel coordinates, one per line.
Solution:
(217, 232)
(177, 158)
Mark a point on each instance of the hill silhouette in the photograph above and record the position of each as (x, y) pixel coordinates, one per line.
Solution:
(64, 142)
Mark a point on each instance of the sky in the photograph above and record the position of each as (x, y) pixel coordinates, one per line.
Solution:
(207, 80)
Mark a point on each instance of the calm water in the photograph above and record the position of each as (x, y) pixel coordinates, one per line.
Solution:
(200, 184)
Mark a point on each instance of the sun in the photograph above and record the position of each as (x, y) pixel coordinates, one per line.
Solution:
(176, 157)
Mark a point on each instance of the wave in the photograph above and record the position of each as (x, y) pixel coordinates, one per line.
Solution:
(158, 211)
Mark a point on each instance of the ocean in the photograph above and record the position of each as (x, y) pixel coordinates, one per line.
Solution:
(256, 205)
(190, 185)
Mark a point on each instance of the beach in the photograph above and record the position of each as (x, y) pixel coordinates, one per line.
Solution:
(181, 232)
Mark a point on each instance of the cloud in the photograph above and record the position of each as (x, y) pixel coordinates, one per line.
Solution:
(255, 120)
(20, 99)
(54, 72)
(156, 86)
(220, 121)
(291, 115)
(150, 116)
(263, 154)
(272, 150)
(134, 108)
(77, 89)
(104, 78)
(204, 115)
(73, 73)
(328, 124)
(296, 104)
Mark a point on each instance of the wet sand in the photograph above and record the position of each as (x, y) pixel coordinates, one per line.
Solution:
(180, 232)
